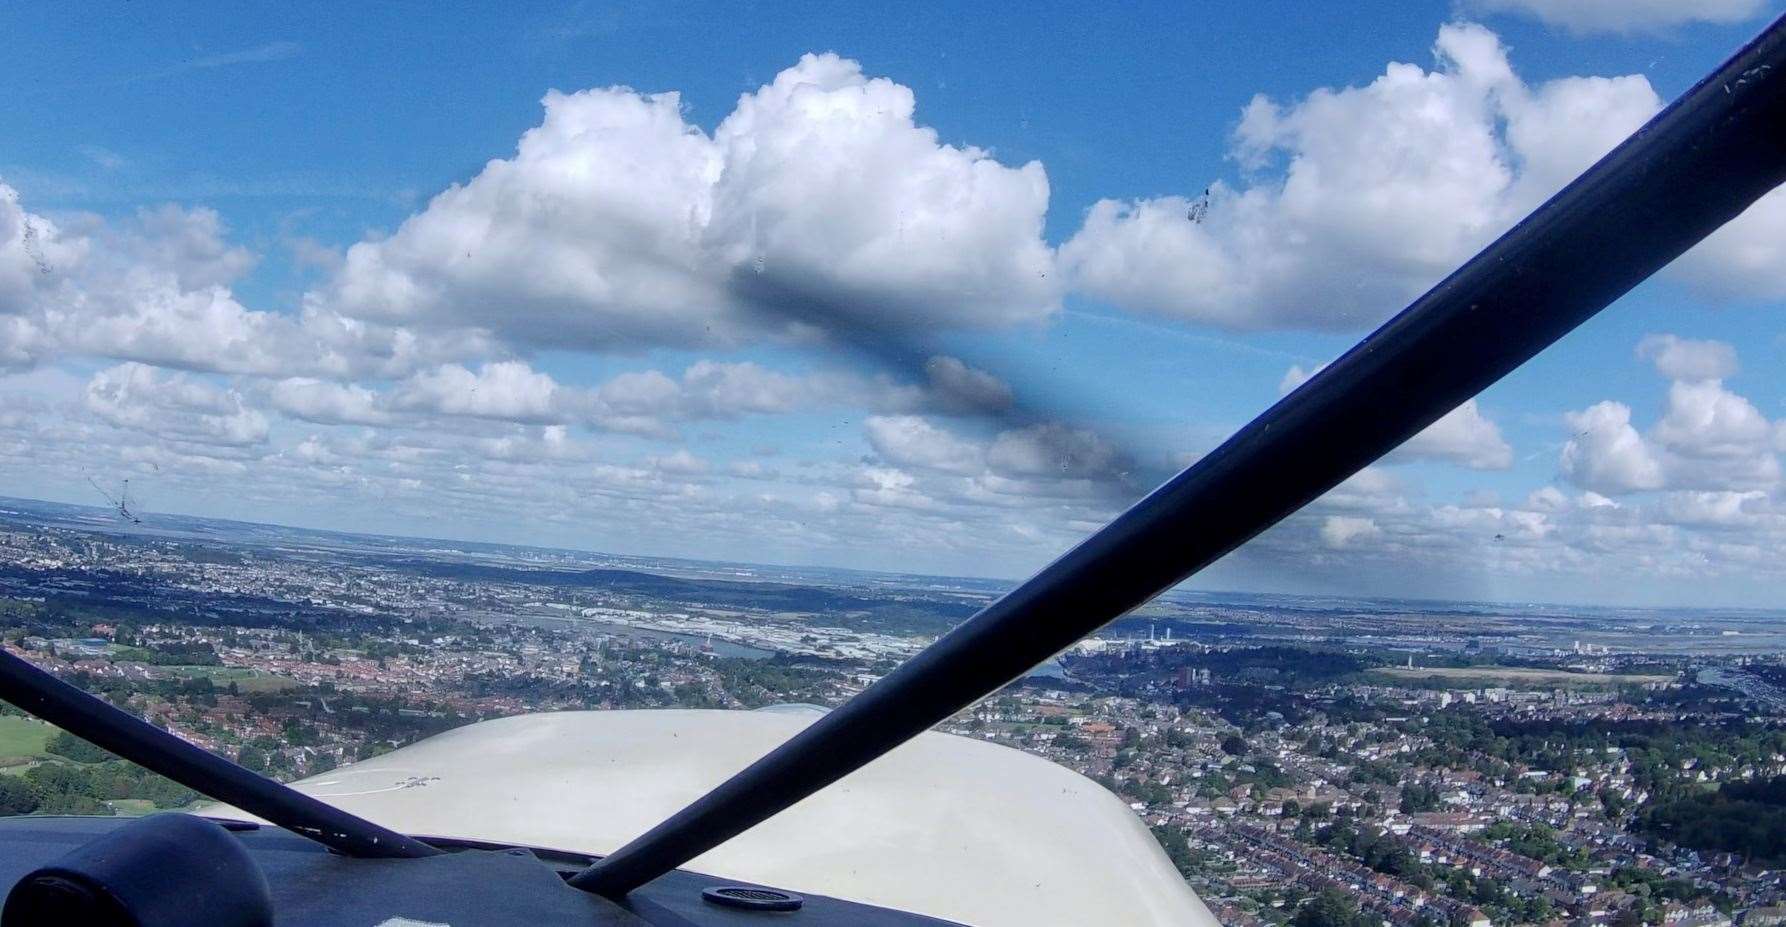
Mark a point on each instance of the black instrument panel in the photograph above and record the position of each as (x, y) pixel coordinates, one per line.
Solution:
(311, 886)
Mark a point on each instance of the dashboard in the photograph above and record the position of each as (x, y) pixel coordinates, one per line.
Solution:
(181, 869)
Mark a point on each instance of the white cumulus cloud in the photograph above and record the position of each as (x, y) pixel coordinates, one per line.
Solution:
(1688, 359)
(173, 407)
(1708, 438)
(1607, 454)
(911, 441)
(818, 201)
(508, 390)
(1357, 199)
(1338, 531)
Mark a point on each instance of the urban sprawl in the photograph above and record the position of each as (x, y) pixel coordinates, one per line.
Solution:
(1302, 762)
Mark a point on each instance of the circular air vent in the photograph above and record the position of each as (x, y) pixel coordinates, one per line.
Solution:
(752, 898)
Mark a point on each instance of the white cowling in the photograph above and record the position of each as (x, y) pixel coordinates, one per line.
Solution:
(947, 826)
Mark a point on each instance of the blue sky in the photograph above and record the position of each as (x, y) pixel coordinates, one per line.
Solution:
(551, 355)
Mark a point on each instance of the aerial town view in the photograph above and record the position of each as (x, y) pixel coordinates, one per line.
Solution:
(1306, 761)
(1249, 464)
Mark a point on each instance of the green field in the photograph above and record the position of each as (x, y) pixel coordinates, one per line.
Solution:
(23, 738)
(246, 680)
(1516, 676)
(132, 805)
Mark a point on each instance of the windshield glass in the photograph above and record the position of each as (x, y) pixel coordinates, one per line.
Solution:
(364, 379)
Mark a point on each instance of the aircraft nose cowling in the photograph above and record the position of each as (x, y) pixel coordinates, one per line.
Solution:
(946, 826)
